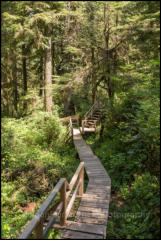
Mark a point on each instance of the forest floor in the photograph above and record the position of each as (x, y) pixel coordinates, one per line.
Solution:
(133, 194)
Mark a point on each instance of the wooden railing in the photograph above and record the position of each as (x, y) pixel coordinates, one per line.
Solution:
(65, 120)
(69, 130)
(90, 111)
(71, 122)
(86, 121)
(60, 208)
(71, 126)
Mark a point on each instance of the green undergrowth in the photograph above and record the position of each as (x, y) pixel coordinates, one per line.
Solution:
(129, 150)
(35, 155)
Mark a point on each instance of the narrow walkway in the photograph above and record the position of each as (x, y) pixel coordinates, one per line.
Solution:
(91, 218)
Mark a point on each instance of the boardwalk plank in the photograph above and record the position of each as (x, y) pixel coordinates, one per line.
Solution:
(95, 201)
(99, 205)
(91, 220)
(101, 182)
(79, 235)
(97, 215)
(98, 187)
(97, 176)
(93, 196)
(93, 209)
(91, 217)
(85, 228)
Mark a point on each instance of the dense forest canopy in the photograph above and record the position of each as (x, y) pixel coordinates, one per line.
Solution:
(57, 59)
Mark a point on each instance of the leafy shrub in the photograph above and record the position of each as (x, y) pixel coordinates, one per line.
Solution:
(34, 157)
(129, 150)
(135, 214)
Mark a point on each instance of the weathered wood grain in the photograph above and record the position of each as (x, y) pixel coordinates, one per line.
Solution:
(97, 215)
(93, 209)
(91, 217)
(75, 177)
(41, 213)
(86, 228)
(90, 204)
(91, 220)
(79, 235)
(93, 196)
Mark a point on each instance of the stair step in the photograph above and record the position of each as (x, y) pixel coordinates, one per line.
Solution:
(91, 121)
(94, 118)
(88, 126)
(97, 112)
(96, 115)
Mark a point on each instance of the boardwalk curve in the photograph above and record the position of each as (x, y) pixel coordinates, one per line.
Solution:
(91, 217)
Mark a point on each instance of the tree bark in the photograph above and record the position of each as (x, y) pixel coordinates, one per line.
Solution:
(48, 78)
(53, 58)
(14, 75)
(94, 86)
(41, 93)
(67, 101)
(24, 72)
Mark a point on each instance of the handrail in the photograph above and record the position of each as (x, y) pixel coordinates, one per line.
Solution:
(70, 129)
(86, 120)
(90, 110)
(71, 126)
(87, 113)
(40, 214)
(61, 208)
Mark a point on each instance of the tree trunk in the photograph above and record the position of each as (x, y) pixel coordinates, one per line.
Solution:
(108, 66)
(5, 103)
(108, 71)
(41, 93)
(94, 86)
(14, 75)
(53, 58)
(67, 101)
(24, 72)
(48, 78)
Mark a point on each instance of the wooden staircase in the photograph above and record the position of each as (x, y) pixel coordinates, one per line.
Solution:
(91, 119)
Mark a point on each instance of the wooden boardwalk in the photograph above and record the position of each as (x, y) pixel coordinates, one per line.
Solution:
(91, 218)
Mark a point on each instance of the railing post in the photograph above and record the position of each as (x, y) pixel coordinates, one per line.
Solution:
(81, 177)
(63, 199)
(39, 230)
(71, 126)
(95, 126)
(72, 131)
(82, 126)
(78, 121)
(91, 112)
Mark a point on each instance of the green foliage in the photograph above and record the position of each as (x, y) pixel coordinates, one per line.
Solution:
(31, 145)
(104, 50)
(28, 138)
(129, 150)
(135, 213)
